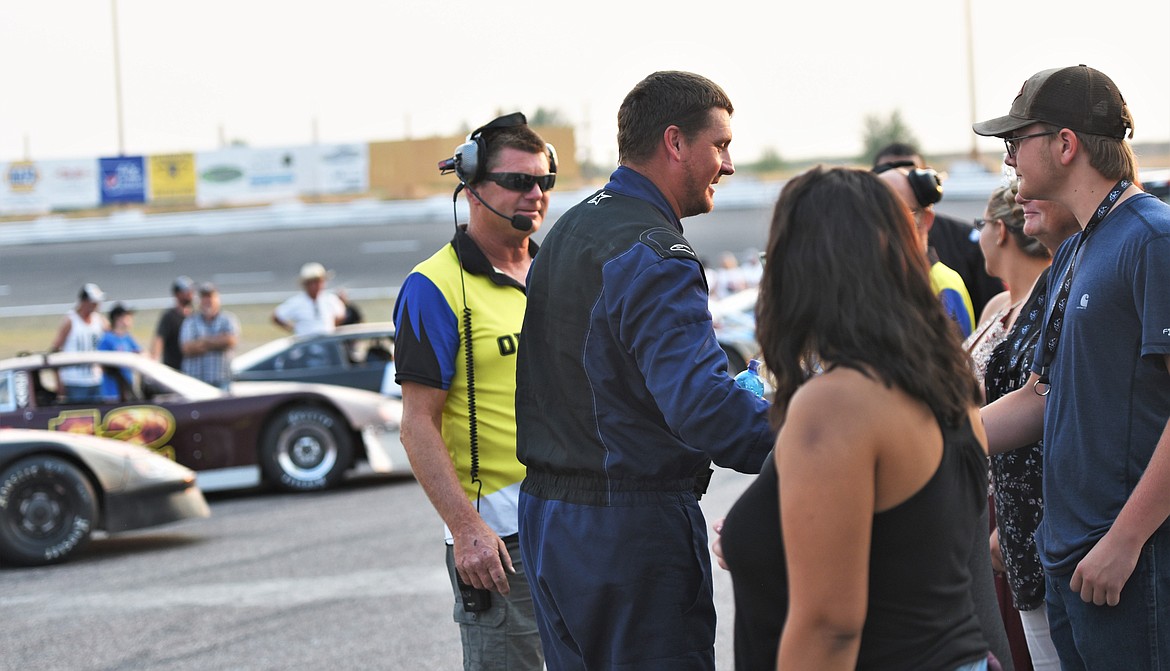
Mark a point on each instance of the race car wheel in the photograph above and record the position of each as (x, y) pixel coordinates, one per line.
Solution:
(306, 447)
(47, 510)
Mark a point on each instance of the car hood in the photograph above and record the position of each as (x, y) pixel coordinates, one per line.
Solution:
(116, 464)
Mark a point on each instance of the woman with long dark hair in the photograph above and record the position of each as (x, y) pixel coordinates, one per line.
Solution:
(880, 451)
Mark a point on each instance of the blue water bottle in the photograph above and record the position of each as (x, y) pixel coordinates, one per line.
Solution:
(750, 379)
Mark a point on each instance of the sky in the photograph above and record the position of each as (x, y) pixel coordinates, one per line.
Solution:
(803, 76)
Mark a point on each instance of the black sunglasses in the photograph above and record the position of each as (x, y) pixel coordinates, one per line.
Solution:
(522, 182)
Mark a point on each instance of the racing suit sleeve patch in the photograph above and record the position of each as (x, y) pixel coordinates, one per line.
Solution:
(668, 244)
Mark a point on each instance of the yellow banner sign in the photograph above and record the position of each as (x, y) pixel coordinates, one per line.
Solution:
(172, 178)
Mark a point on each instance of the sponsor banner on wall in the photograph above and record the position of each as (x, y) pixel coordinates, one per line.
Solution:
(336, 168)
(172, 178)
(123, 179)
(72, 184)
(37, 187)
(239, 175)
(22, 188)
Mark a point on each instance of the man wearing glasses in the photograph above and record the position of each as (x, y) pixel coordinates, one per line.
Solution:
(623, 399)
(458, 418)
(1099, 393)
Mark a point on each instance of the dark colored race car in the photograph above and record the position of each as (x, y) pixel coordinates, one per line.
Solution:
(358, 355)
(57, 488)
(297, 437)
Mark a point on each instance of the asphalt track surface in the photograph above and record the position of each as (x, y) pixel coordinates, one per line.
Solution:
(347, 579)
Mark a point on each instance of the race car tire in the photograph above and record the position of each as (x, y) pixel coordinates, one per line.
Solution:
(306, 448)
(47, 510)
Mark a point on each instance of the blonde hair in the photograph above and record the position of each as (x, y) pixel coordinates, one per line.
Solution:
(1002, 206)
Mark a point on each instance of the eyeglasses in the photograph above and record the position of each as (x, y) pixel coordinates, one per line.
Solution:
(979, 224)
(1013, 143)
(522, 182)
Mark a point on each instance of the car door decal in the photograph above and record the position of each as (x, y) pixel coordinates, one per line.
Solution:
(150, 426)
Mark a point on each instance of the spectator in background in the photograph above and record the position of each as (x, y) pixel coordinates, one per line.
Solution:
(353, 314)
(164, 346)
(729, 278)
(919, 190)
(118, 339)
(753, 269)
(954, 241)
(80, 331)
(314, 310)
(1013, 257)
(208, 339)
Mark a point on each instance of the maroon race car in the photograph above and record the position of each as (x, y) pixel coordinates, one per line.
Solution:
(298, 437)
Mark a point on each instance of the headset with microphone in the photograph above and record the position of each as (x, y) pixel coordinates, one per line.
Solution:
(470, 164)
(924, 182)
(519, 221)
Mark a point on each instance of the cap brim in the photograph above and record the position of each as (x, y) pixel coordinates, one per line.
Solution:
(1000, 126)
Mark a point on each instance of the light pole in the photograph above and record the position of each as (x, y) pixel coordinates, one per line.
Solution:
(971, 78)
(117, 80)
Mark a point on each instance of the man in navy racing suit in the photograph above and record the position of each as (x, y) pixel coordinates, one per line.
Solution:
(623, 399)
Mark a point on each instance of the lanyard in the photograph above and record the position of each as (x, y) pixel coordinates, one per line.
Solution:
(1056, 317)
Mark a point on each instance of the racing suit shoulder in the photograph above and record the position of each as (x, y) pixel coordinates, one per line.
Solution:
(668, 244)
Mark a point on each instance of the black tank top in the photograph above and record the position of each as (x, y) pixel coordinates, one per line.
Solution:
(920, 613)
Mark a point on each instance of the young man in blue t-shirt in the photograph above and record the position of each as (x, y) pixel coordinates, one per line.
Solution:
(1105, 359)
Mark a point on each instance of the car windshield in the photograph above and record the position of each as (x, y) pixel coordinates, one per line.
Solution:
(361, 342)
(184, 385)
(254, 357)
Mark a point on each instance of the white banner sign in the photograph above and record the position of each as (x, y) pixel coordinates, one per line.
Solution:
(37, 187)
(240, 175)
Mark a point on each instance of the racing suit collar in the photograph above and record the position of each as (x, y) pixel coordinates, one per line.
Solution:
(476, 262)
(630, 182)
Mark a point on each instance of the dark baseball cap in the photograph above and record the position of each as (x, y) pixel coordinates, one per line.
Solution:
(1078, 98)
(118, 310)
(207, 288)
(182, 283)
